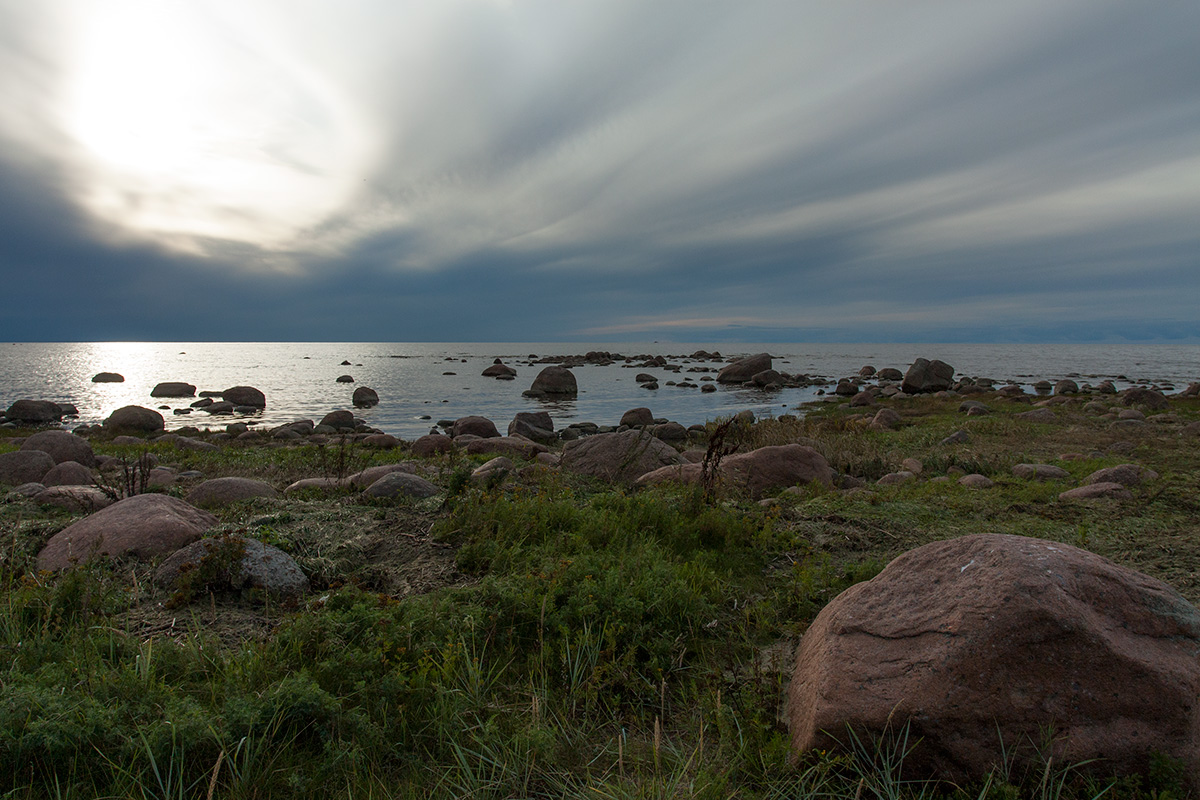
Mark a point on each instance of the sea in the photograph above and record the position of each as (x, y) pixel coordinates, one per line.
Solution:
(420, 384)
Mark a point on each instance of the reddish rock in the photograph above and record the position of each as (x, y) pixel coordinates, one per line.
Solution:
(1139, 396)
(886, 419)
(134, 419)
(474, 426)
(981, 644)
(637, 417)
(384, 441)
(1096, 491)
(369, 475)
(74, 498)
(24, 466)
(1124, 474)
(62, 446)
(223, 491)
(144, 526)
(1043, 415)
(759, 472)
(619, 457)
(515, 446)
(69, 473)
(895, 478)
(432, 444)
(400, 484)
(313, 484)
(1039, 472)
(976, 481)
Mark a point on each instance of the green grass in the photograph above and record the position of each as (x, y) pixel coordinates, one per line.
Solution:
(542, 637)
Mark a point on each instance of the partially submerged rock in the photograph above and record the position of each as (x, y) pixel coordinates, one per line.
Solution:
(926, 376)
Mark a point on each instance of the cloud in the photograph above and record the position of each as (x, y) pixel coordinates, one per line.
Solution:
(542, 170)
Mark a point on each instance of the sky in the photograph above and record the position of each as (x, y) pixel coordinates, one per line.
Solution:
(599, 170)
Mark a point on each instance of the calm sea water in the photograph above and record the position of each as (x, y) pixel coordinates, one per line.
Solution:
(299, 379)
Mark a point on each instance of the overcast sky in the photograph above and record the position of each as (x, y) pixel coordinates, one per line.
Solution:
(599, 170)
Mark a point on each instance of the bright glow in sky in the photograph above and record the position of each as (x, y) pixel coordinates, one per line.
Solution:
(540, 169)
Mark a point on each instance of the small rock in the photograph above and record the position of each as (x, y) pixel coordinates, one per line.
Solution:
(1040, 472)
(1096, 491)
(400, 484)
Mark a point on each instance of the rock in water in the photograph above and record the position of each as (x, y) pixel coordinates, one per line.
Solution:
(173, 389)
(554, 382)
(927, 376)
(244, 396)
(365, 397)
(981, 643)
(745, 369)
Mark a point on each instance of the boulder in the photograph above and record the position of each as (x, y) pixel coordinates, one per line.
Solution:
(364, 397)
(1095, 491)
(670, 432)
(554, 382)
(34, 412)
(886, 419)
(313, 484)
(24, 490)
(927, 376)
(1039, 472)
(400, 484)
(69, 473)
(499, 465)
(744, 369)
(363, 479)
(895, 478)
(1140, 396)
(975, 481)
(244, 396)
(1066, 386)
(534, 425)
(84, 499)
(383, 441)
(759, 472)
(348, 378)
(339, 420)
(1043, 415)
(62, 446)
(234, 562)
(1124, 474)
(143, 526)
(637, 417)
(619, 457)
(432, 444)
(475, 426)
(890, 374)
(217, 492)
(134, 419)
(499, 370)
(768, 377)
(977, 646)
(958, 437)
(173, 389)
(515, 446)
(108, 377)
(24, 466)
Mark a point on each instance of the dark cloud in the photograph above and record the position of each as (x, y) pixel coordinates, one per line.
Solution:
(699, 170)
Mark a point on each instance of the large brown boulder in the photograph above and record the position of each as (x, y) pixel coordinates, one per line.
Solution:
(24, 466)
(744, 369)
(619, 457)
(365, 397)
(981, 644)
(475, 426)
(759, 472)
(927, 376)
(218, 492)
(432, 444)
(145, 525)
(134, 419)
(554, 382)
(62, 446)
(535, 425)
(245, 396)
(637, 417)
(1141, 396)
(69, 473)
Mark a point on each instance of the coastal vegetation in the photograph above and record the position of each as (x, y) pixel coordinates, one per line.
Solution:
(539, 633)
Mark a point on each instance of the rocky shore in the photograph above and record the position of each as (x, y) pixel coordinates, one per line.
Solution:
(965, 612)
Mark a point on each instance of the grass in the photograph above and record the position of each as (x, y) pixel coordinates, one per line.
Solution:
(544, 636)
